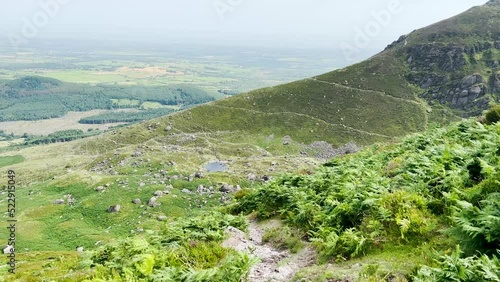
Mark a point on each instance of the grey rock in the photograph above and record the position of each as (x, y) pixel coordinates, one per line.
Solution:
(80, 249)
(99, 189)
(287, 140)
(113, 209)
(59, 202)
(252, 177)
(468, 81)
(226, 188)
(186, 191)
(137, 201)
(162, 218)
(475, 90)
(168, 128)
(152, 202)
(158, 193)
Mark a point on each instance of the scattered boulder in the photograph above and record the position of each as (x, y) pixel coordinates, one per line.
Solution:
(152, 202)
(168, 128)
(99, 189)
(186, 191)
(137, 201)
(158, 193)
(162, 218)
(226, 188)
(202, 190)
(80, 249)
(287, 140)
(199, 175)
(114, 209)
(266, 178)
(137, 154)
(252, 177)
(59, 202)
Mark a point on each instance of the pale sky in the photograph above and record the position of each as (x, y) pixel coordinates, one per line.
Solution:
(290, 23)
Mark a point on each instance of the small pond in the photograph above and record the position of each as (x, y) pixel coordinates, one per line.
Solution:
(216, 167)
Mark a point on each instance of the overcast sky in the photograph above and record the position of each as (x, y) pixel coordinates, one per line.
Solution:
(292, 23)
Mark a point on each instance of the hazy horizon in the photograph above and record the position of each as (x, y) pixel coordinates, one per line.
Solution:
(280, 23)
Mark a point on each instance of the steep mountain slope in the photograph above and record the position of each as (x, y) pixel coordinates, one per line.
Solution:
(433, 75)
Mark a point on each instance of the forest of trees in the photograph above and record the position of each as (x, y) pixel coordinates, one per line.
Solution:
(127, 117)
(35, 98)
(59, 136)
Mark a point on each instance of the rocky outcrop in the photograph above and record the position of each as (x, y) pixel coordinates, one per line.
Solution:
(442, 71)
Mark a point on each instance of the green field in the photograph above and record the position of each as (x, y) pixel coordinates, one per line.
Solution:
(9, 161)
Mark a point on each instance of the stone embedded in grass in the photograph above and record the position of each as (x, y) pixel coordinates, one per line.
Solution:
(162, 218)
(59, 202)
(152, 202)
(158, 193)
(186, 191)
(287, 140)
(113, 209)
(99, 189)
(80, 249)
(226, 188)
(251, 177)
(202, 190)
(266, 178)
(137, 201)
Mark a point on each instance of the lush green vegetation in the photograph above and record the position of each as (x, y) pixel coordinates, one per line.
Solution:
(127, 117)
(188, 250)
(456, 268)
(408, 193)
(35, 98)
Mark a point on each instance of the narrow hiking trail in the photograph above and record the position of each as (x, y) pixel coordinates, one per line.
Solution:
(275, 265)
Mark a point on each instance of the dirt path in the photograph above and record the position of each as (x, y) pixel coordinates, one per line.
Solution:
(276, 265)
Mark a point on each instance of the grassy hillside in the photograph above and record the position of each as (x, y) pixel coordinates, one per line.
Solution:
(404, 202)
(434, 191)
(387, 204)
